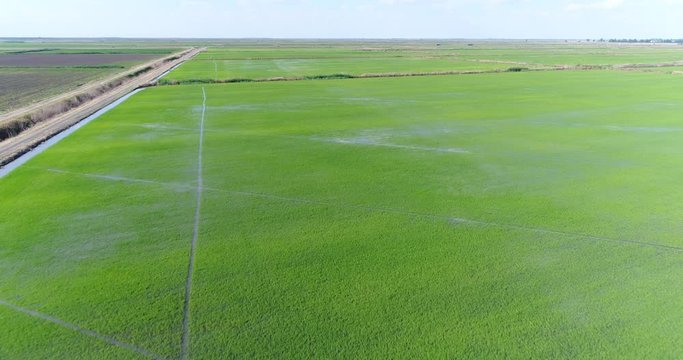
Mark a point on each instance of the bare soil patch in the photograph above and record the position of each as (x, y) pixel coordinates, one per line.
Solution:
(19, 87)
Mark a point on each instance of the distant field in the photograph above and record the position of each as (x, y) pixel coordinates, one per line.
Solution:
(134, 51)
(60, 45)
(237, 53)
(44, 60)
(269, 68)
(251, 62)
(30, 72)
(606, 56)
(510, 215)
(548, 54)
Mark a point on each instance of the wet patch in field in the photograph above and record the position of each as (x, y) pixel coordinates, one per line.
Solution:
(395, 138)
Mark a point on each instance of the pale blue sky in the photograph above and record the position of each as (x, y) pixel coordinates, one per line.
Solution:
(343, 19)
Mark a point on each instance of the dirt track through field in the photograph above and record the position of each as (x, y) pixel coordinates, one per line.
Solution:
(450, 219)
(108, 339)
(185, 340)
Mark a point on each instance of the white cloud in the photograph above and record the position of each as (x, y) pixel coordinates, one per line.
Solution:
(394, 2)
(598, 5)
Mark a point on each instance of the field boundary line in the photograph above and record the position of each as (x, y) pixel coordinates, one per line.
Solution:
(346, 76)
(105, 338)
(119, 178)
(185, 339)
(452, 219)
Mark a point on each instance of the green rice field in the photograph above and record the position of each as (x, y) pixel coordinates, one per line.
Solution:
(496, 215)
(298, 61)
(203, 70)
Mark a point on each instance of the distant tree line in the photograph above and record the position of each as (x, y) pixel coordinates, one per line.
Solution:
(640, 41)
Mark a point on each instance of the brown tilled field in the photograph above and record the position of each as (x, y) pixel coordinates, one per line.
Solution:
(19, 87)
(26, 78)
(40, 60)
